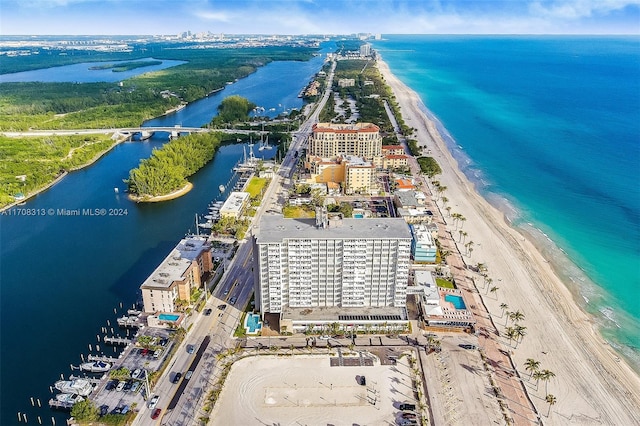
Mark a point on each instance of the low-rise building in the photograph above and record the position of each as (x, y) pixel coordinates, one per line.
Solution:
(395, 161)
(423, 246)
(235, 204)
(346, 82)
(178, 274)
(393, 150)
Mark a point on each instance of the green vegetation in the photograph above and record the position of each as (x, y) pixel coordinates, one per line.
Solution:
(39, 105)
(233, 109)
(441, 282)
(293, 212)
(126, 66)
(232, 227)
(369, 92)
(345, 208)
(85, 411)
(429, 166)
(42, 159)
(122, 373)
(167, 168)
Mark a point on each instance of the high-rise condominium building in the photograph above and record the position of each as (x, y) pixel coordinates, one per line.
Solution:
(328, 262)
(330, 140)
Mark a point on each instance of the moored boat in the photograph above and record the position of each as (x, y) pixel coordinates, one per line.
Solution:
(80, 387)
(95, 366)
(67, 398)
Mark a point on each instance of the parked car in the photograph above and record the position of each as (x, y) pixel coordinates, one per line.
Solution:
(233, 300)
(176, 378)
(408, 415)
(407, 422)
(188, 375)
(157, 353)
(120, 386)
(136, 373)
(125, 409)
(154, 401)
(407, 407)
(111, 385)
(222, 307)
(362, 380)
(208, 311)
(128, 385)
(191, 349)
(156, 413)
(467, 346)
(135, 387)
(104, 409)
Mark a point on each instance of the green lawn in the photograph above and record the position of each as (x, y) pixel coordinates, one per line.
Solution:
(441, 282)
(295, 212)
(256, 185)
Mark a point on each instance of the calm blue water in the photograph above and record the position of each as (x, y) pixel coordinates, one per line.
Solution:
(457, 301)
(548, 129)
(168, 317)
(63, 277)
(81, 73)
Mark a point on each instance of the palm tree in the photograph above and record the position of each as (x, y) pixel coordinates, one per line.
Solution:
(516, 316)
(464, 235)
(481, 267)
(511, 334)
(507, 318)
(445, 200)
(551, 400)
(462, 219)
(469, 247)
(537, 375)
(503, 306)
(520, 333)
(494, 289)
(531, 365)
(460, 235)
(546, 376)
(448, 209)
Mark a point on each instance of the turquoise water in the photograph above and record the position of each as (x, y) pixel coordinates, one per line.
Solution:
(548, 128)
(252, 323)
(457, 301)
(358, 216)
(168, 317)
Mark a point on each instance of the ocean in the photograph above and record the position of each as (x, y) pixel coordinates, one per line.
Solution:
(548, 129)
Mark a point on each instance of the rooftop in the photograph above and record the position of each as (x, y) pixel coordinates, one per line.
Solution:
(275, 229)
(345, 127)
(333, 314)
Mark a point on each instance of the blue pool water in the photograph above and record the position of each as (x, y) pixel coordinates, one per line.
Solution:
(252, 323)
(358, 216)
(168, 317)
(457, 301)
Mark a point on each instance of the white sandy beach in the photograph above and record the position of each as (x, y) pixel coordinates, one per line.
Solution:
(592, 384)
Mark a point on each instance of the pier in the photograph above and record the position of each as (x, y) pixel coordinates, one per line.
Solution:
(117, 340)
(102, 358)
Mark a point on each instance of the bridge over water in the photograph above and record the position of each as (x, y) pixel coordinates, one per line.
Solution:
(129, 131)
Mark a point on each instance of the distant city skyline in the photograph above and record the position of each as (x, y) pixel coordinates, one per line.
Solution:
(156, 17)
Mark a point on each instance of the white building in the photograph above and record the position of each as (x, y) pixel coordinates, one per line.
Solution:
(234, 205)
(329, 262)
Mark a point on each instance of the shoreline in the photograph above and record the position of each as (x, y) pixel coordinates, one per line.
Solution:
(592, 384)
(62, 175)
(160, 198)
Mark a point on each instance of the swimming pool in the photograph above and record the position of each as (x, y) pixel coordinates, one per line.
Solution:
(358, 216)
(457, 301)
(168, 317)
(252, 323)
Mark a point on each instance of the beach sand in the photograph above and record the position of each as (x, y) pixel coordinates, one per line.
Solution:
(592, 384)
(160, 198)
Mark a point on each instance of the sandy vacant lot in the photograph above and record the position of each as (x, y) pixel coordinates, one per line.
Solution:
(306, 390)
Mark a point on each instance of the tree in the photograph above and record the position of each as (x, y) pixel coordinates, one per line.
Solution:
(551, 400)
(85, 411)
(511, 334)
(494, 289)
(503, 306)
(538, 376)
(233, 109)
(520, 332)
(532, 366)
(516, 316)
(546, 376)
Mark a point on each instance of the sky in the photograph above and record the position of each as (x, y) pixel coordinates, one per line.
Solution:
(155, 17)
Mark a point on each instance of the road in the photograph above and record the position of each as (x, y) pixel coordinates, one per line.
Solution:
(237, 284)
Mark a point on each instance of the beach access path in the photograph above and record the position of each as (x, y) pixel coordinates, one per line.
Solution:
(592, 384)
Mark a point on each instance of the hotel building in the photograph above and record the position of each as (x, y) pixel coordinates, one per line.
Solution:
(342, 270)
(330, 140)
(180, 272)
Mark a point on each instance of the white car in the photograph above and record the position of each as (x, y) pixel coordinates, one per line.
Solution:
(154, 401)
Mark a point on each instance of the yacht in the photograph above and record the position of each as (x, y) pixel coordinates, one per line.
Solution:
(80, 387)
(67, 398)
(95, 366)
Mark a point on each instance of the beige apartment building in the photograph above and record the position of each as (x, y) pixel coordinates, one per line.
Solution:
(329, 140)
(180, 272)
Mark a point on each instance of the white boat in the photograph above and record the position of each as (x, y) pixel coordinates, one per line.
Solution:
(95, 367)
(221, 188)
(67, 398)
(206, 225)
(80, 387)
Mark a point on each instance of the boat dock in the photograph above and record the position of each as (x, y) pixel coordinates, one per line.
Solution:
(117, 340)
(102, 358)
(54, 403)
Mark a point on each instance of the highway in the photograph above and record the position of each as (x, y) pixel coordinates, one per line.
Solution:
(237, 284)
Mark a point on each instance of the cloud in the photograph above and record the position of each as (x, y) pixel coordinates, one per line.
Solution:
(578, 9)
